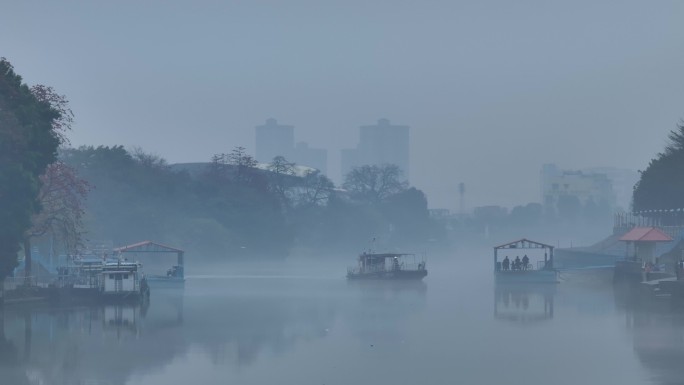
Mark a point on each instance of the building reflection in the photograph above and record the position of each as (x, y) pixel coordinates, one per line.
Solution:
(523, 303)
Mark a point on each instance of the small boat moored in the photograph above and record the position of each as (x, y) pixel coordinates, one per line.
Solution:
(388, 266)
(101, 279)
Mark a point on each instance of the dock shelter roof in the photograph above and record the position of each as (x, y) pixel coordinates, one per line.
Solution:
(524, 243)
(384, 255)
(147, 247)
(646, 234)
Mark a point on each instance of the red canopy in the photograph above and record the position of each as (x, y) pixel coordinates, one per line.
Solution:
(646, 234)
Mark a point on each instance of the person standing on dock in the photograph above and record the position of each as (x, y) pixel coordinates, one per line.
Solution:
(525, 262)
(678, 271)
(516, 264)
(506, 263)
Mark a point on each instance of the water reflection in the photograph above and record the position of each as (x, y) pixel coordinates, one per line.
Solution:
(381, 309)
(98, 344)
(263, 330)
(232, 321)
(523, 303)
(659, 344)
(11, 370)
(657, 329)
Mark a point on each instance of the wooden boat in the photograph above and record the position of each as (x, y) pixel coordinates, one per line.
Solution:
(516, 271)
(387, 266)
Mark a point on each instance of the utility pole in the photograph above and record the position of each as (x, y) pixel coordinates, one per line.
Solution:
(461, 198)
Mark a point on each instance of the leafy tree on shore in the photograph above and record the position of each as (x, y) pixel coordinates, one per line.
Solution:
(61, 198)
(31, 129)
(373, 183)
(661, 185)
(315, 190)
(281, 178)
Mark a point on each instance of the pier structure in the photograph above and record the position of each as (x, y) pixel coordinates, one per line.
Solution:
(522, 271)
(156, 271)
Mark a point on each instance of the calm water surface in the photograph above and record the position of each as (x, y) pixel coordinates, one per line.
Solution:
(308, 325)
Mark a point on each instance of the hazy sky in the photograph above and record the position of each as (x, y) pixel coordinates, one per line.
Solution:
(491, 89)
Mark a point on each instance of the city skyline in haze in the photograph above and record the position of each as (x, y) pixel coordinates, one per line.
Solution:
(491, 91)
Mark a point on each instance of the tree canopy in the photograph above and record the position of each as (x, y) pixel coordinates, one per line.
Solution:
(31, 130)
(661, 185)
(374, 183)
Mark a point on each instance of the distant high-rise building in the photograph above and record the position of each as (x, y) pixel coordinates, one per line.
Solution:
(382, 143)
(273, 139)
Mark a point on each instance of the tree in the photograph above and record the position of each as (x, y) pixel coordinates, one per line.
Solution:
(528, 215)
(59, 103)
(61, 198)
(237, 166)
(315, 189)
(148, 160)
(408, 214)
(30, 128)
(373, 183)
(243, 163)
(661, 184)
(281, 178)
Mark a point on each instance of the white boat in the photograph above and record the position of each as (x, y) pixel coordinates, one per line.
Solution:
(100, 278)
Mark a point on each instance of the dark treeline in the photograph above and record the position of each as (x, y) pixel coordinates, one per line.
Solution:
(569, 219)
(33, 121)
(231, 208)
(661, 186)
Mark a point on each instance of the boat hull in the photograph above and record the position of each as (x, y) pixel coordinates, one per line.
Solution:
(527, 276)
(389, 275)
(161, 282)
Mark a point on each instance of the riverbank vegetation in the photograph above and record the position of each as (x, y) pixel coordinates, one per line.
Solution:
(229, 207)
(33, 122)
(661, 186)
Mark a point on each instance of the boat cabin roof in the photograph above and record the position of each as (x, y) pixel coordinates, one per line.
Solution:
(383, 255)
(524, 243)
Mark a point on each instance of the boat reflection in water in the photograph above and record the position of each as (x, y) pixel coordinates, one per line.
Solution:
(377, 301)
(95, 344)
(523, 303)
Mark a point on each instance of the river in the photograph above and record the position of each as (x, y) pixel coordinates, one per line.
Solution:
(302, 324)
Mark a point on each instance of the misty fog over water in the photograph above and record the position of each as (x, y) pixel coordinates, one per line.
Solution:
(230, 192)
(305, 324)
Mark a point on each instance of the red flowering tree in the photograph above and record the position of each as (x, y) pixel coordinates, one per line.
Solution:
(62, 199)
